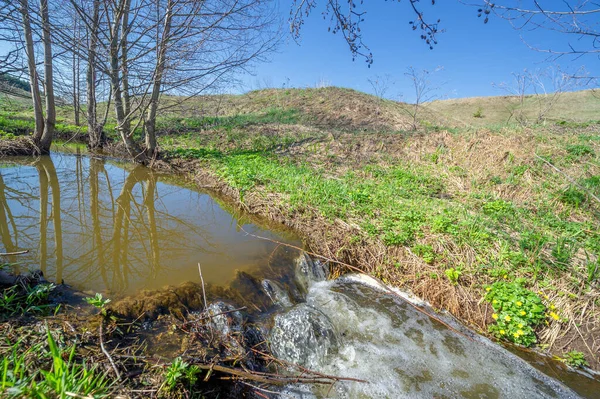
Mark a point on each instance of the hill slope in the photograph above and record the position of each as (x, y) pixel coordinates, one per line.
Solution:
(579, 106)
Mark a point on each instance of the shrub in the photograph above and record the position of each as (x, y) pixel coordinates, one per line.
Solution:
(478, 113)
(517, 312)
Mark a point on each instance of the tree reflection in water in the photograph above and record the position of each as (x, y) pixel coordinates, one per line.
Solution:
(104, 228)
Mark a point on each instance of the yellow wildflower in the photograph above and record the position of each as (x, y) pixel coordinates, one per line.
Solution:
(519, 303)
(502, 332)
(522, 313)
(552, 306)
(520, 325)
(495, 316)
(520, 332)
(488, 289)
(554, 316)
(507, 318)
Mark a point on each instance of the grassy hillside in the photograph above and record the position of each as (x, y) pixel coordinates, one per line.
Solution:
(579, 106)
(497, 224)
(331, 107)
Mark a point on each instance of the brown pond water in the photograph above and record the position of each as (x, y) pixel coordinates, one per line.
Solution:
(103, 226)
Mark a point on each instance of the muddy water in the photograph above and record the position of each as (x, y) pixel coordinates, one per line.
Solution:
(107, 227)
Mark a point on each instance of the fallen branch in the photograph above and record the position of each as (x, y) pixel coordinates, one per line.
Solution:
(305, 370)
(270, 378)
(14, 253)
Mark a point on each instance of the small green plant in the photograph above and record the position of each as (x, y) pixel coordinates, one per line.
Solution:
(517, 311)
(573, 196)
(97, 301)
(425, 251)
(579, 150)
(478, 113)
(563, 251)
(575, 359)
(498, 208)
(179, 371)
(453, 274)
(496, 180)
(593, 271)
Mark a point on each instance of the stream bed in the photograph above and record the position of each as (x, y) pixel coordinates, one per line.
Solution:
(120, 229)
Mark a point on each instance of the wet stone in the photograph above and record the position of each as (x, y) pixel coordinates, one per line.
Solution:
(224, 318)
(276, 293)
(309, 272)
(304, 335)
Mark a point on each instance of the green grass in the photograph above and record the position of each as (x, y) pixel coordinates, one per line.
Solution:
(18, 300)
(402, 204)
(270, 115)
(48, 371)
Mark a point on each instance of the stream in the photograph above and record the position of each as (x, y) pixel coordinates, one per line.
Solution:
(119, 229)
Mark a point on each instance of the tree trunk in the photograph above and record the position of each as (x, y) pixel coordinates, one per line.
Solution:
(124, 62)
(76, 73)
(123, 119)
(33, 75)
(150, 122)
(95, 130)
(46, 139)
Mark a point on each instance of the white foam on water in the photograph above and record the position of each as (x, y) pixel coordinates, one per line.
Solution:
(402, 353)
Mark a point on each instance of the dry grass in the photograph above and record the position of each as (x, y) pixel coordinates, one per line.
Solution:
(580, 106)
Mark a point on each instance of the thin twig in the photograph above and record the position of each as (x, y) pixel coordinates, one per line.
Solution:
(305, 370)
(112, 363)
(75, 395)
(202, 279)
(14, 253)
(273, 379)
(279, 394)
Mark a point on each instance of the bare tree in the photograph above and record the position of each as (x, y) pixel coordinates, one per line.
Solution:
(541, 88)
(521, 84)
(381, 84)
(424, 91)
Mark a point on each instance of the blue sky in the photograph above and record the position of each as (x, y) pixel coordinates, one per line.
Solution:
(473, 55)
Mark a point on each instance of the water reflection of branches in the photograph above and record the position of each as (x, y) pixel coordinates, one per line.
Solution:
(84, 230)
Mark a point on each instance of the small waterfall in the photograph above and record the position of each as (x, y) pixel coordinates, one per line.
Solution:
(355, 327)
